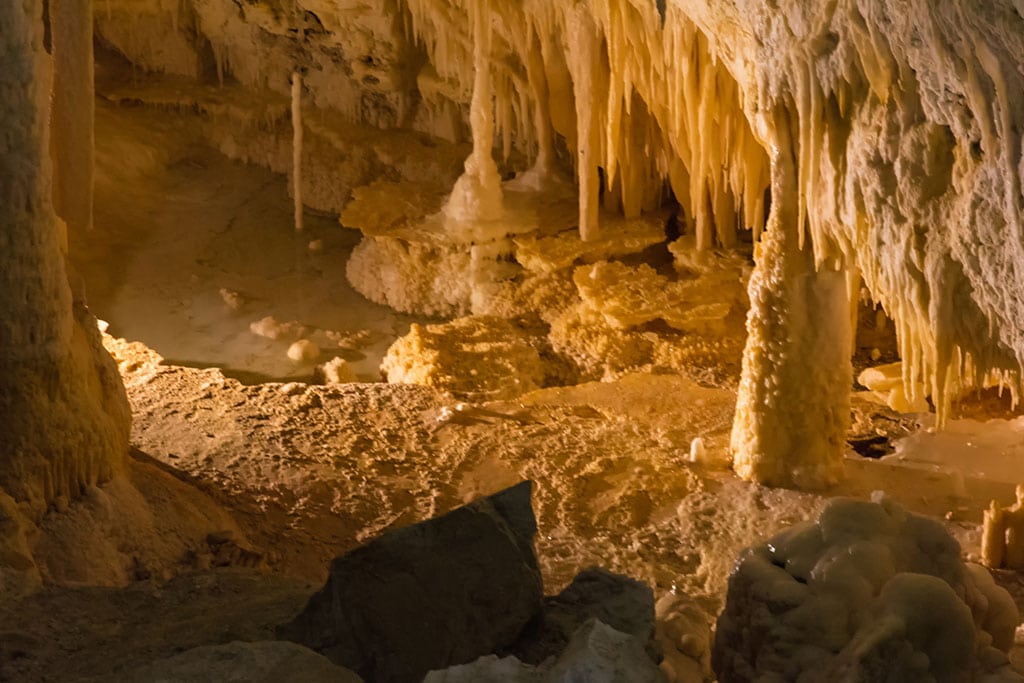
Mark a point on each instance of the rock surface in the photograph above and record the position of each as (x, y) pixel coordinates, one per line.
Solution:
(478, 358)
(597, 653)
(263, 662)
(442, 592)
(625, 604)
(867, 593)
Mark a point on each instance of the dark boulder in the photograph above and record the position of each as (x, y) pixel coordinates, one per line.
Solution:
(442, 592)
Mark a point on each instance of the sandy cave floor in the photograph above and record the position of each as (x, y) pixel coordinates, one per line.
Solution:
(312, 471)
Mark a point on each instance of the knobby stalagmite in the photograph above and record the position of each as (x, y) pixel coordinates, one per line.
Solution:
(798, 350)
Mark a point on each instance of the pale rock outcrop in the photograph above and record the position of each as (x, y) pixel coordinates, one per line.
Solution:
(478, 358)
(868, 592)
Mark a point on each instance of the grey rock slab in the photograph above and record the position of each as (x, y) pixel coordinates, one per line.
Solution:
(442, 592)
(597, 653)
(625, 604)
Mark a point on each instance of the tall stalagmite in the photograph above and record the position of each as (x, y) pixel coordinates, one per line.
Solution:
(64, 417)
(797, 352)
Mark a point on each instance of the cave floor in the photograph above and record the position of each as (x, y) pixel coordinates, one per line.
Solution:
(312, 471)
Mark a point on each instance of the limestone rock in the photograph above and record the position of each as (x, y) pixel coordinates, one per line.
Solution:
(600, 654)
(597, 653)
(478, 358)
(868, 593)
(263, 662)
(18, 572)
(441, 592)
(412, 276)
(625, 604)
(334, 371)
(303, 351)
(629, 297)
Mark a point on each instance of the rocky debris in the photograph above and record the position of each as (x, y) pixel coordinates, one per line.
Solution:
(442, 592)
(476, 358)
(303, 351)
(271, 328)
(335, 371)
(625, 604)
(237, 662)
(684, 636)
(232, 299)
(597, 653)
(868, 592)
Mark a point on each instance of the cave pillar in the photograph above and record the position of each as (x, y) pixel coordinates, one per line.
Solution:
(74, 100)
(792, 411)
(584, 46)
(64, 417)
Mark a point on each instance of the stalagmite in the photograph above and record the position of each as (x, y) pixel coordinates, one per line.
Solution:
(993, 536)
(73, 105)
(297, 147)
(1002, 536)
(65, 418)
(792, 411)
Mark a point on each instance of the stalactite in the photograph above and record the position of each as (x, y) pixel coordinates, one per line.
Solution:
(477, 195)
(660, 105)
(297, 147)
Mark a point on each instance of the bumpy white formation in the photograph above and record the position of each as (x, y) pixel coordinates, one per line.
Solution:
(867, 588)
(888, 131)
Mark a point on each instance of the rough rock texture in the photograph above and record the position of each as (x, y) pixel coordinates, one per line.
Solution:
(480, 358)
(64, 418)
(597, 653)
(441, 592)
(797, 354)
(355, 56)
(260, 662)
(412, 277)
(868, 593)
(905, 120)
(625, 604)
